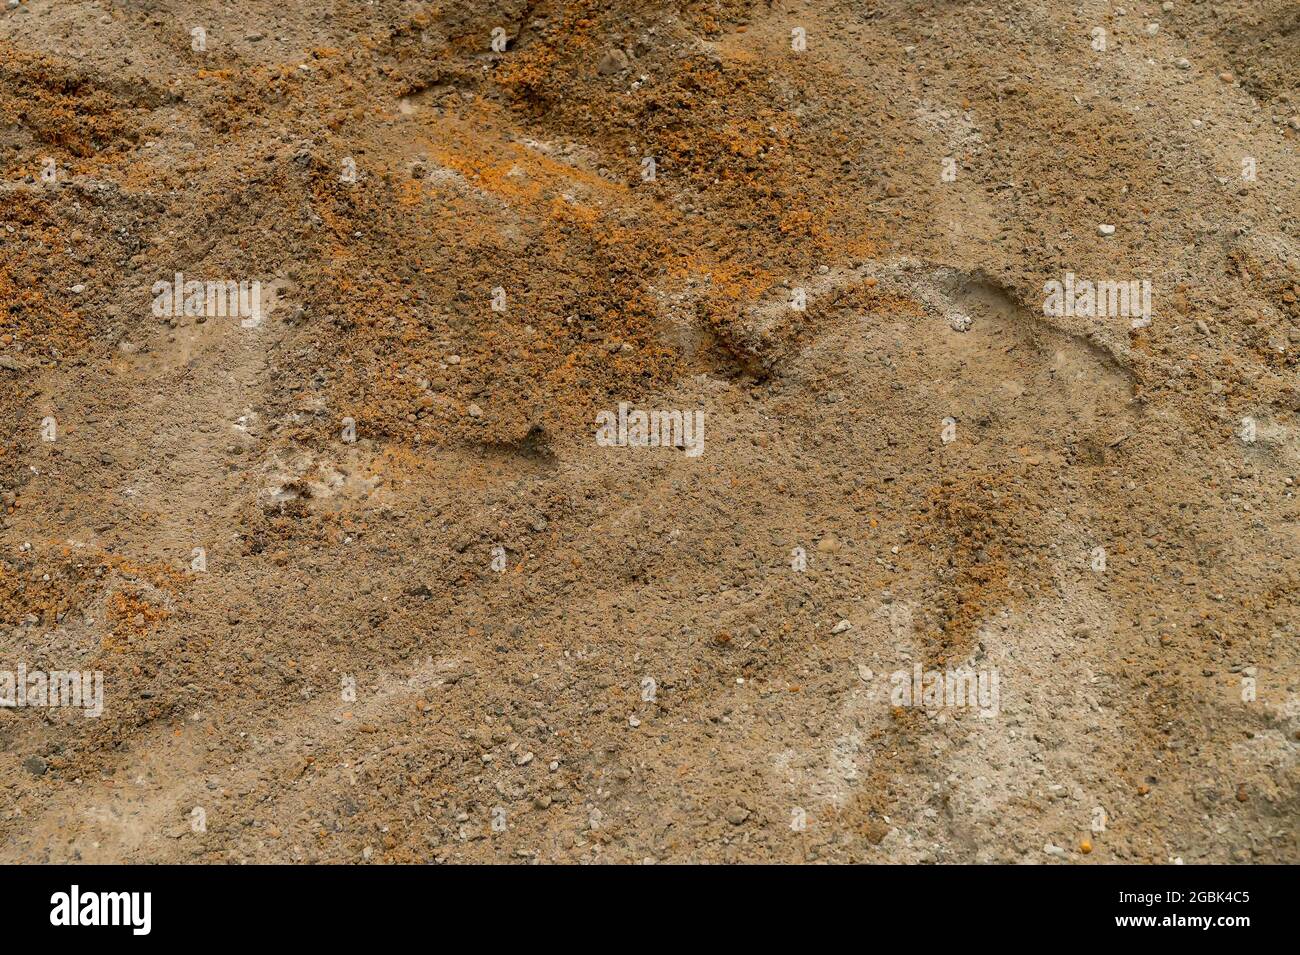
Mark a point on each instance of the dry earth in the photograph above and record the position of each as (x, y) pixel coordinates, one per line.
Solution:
(472, 634)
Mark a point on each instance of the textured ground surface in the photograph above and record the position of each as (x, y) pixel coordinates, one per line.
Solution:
(517, 696)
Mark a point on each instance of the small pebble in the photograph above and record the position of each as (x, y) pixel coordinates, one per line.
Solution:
(35, 765)
(613, 61)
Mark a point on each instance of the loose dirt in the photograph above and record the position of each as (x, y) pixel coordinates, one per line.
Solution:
(363, 585)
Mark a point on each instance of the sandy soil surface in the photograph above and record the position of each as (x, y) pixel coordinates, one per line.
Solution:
(362, 583)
